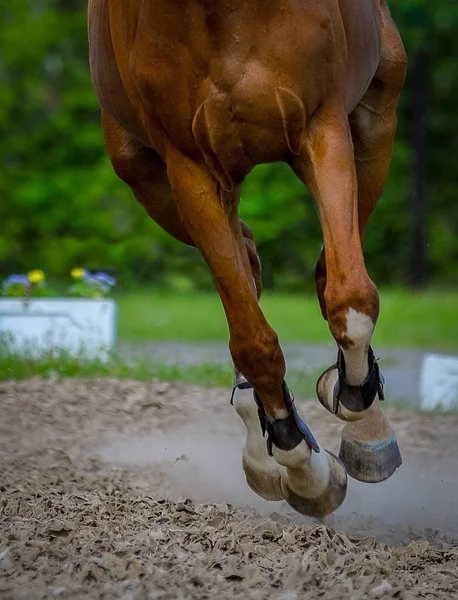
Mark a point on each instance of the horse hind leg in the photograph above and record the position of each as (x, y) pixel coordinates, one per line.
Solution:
(369, 448)
(261, 471)
(290, 475)
(312, 481)
(350, 298)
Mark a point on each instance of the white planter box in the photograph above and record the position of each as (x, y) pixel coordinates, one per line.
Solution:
(80, 326)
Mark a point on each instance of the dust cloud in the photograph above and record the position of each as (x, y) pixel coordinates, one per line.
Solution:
(416, 502)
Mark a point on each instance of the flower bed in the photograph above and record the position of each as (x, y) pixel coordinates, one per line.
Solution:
(34, 320)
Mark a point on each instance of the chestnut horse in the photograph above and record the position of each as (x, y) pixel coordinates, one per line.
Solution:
(195, 93)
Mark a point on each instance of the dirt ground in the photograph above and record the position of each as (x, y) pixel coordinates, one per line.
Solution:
(120, 489)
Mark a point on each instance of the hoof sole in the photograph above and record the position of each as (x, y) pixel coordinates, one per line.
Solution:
(328, 501)
(370, 461)
(263, 482)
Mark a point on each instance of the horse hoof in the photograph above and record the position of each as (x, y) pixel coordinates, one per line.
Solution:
(263, 480)
(369, 449)
(328, 500)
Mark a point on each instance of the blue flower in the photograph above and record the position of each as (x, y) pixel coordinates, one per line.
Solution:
(91, 279)
(97, 283)
(16, 280)
(105, 279)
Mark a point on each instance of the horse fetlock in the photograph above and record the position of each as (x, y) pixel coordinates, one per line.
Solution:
(359, 326)
(286, 434)
(350, 402)
(287, 430)
(358, 336)
(352, 311)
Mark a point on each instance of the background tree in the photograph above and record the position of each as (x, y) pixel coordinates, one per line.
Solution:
(61, 205)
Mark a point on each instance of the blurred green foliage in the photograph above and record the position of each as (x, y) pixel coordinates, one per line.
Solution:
(61, 205)
(410, 319)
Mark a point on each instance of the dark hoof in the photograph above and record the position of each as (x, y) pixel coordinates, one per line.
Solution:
(370, 461)
(328, 501)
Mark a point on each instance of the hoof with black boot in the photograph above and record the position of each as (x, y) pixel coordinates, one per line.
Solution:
(317, 487)
(313, 482)
(349, 402)
(262, 473)
(369, 449)
(291, 466)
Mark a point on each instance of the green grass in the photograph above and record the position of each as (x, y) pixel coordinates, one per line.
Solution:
(60, 365)
(424, 320)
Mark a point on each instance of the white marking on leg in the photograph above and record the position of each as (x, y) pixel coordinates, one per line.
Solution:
(265, 472)
(359, 332)
(280, 413)
(255, 445)
(308, 472)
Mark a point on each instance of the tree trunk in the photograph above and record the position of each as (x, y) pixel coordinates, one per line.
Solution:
(419, 200)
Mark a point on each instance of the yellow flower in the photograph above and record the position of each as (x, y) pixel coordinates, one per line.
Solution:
(36, 276)
(78, 273)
